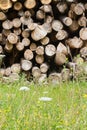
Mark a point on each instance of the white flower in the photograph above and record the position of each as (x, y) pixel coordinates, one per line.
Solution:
(45, 92)
(45, 99)
(24, 88)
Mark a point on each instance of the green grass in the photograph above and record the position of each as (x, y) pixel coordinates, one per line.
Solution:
(20, 110)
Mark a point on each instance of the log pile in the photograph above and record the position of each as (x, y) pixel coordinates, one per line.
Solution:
(43, 38)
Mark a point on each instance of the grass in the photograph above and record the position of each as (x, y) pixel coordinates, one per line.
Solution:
(22, 110)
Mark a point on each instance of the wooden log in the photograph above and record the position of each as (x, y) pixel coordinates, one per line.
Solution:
(26, 65)
(25, 21)
(1, 49)
(8, 47)
(12, 38)
(79, 9)
(45, 41)
(16, 22)
(62, 48)
(74, 42)
(85, 6)
(83, 33)
(39, 33)
(33, 46)
(16, 68)
(61, 35)
(44, 68)
(62, 7)
(40, 50)
(67, 21)
(7, 24)
(55, 78)
(8, 71)
(82, 21)
(60, 58)
(6, 32)
(36, 72)
(31, 26)
(83, 52)
(48, 19)
(5, 4)
(2, 16)
(17, 6)
(57, 25)
(65, 74)
(74, 26)
(50, 50)
(46, 1)
(14, 77)
(21, 13)
(71, 14)
(40, 14)
(1, 37)
(14, 1)
(2, 72)
(25, 33)
(28, 54)
(26, 41)
(39, 59)
(29, 4)
(47, 27)
(20, 46)
(17, 31)
(47, 8)
(42, 79)
(27, 14)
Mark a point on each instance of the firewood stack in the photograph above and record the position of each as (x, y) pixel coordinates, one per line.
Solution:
(43, 38)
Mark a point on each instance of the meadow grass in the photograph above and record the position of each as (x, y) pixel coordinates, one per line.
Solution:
(22, 110)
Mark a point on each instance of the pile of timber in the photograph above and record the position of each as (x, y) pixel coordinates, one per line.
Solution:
(43, 38)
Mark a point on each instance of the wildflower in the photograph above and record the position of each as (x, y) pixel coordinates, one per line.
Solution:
(24, 88)
(45, 99)
(85, 95)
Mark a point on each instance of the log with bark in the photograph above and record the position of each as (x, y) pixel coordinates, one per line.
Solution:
(43, 39)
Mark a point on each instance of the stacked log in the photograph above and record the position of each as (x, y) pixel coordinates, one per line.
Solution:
(43, 38)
